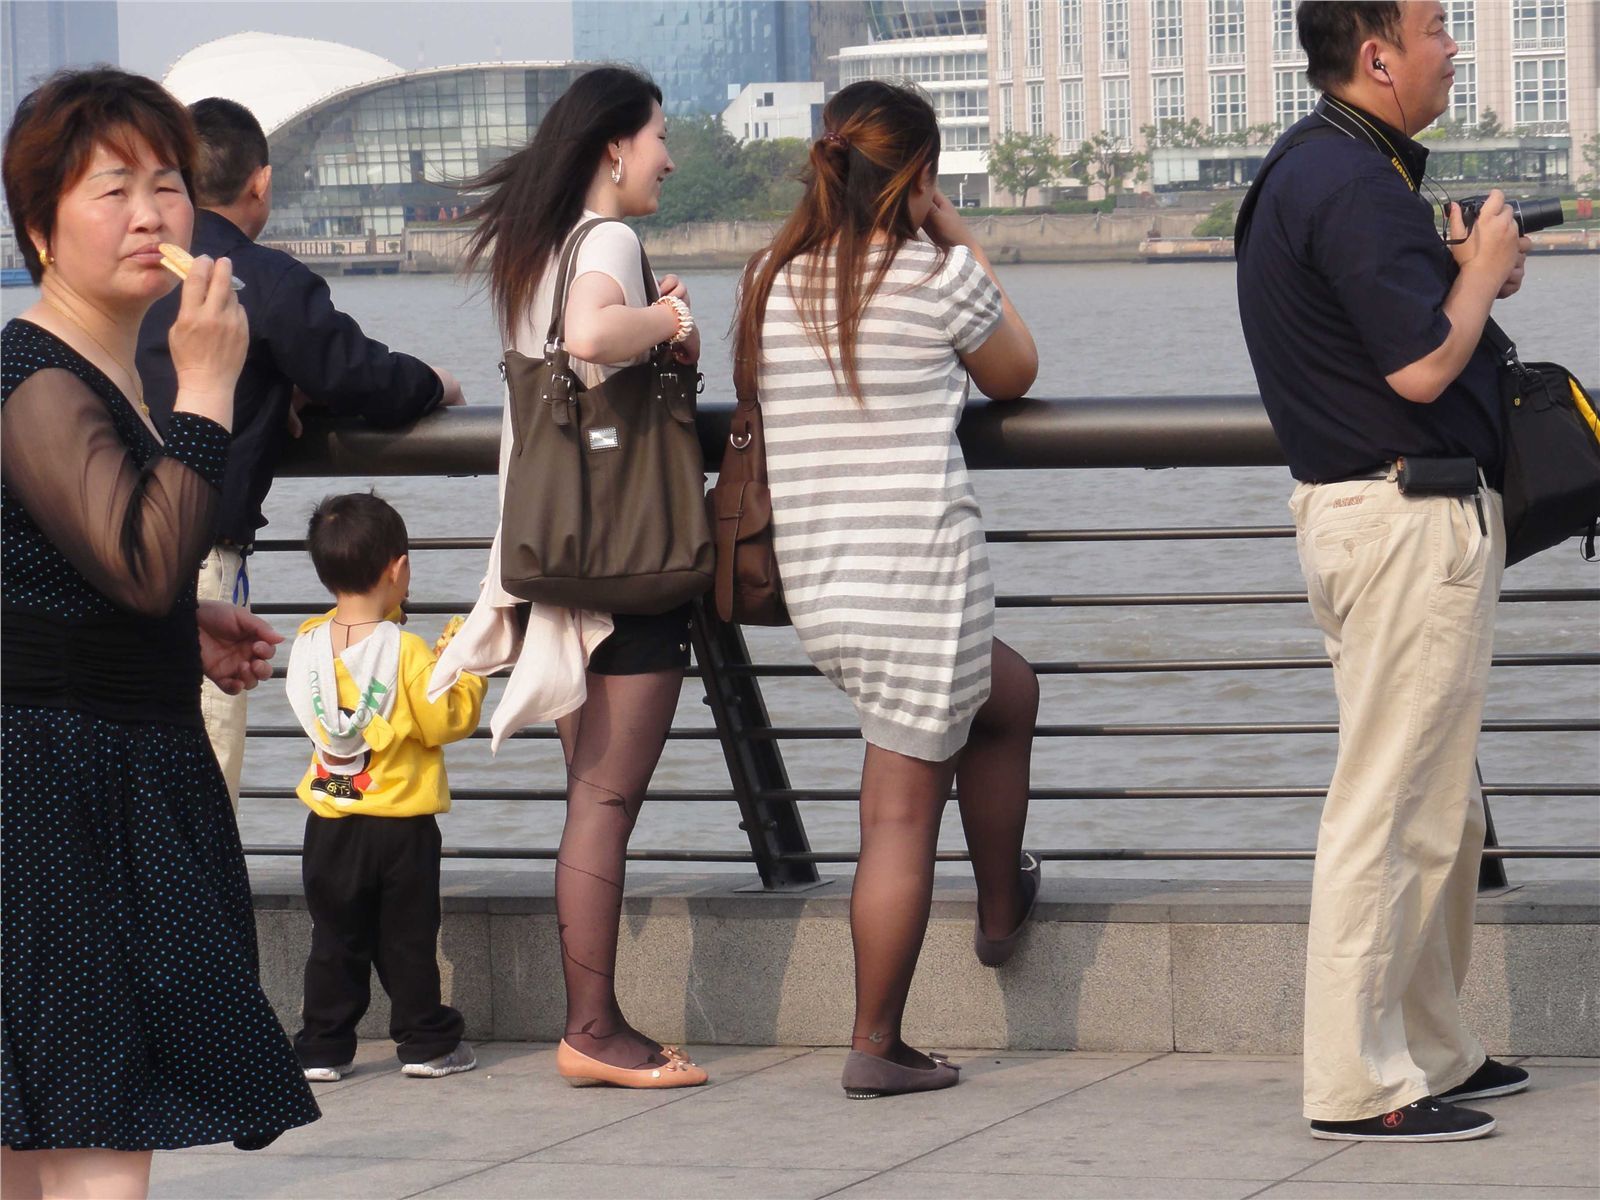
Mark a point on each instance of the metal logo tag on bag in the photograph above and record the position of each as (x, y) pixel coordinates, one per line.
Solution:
(603, 439)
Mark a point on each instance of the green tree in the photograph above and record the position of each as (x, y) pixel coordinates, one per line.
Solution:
(709, 183)
(1489, 124)
(1020, 162)
(1193, 132)
(1105, 159)
(774, 168)
(1591, 159)
(1218, 222)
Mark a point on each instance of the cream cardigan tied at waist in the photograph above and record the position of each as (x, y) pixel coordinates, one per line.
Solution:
(548, 659)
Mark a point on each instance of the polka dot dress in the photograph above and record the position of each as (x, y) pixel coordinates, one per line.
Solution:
(133, 1015)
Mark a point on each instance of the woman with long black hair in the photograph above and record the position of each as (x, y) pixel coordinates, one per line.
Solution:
(609, 681)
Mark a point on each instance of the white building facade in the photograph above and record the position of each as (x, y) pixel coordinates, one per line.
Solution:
(1074, 68)
(764, 112)
(942, 46)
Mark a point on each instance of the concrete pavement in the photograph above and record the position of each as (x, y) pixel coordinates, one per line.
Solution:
(773, 1123)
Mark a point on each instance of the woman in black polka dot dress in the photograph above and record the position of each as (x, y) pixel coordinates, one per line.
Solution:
(134, 1018)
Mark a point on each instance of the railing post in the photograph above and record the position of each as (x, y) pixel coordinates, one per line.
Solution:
(755, 766)
(1491, 871)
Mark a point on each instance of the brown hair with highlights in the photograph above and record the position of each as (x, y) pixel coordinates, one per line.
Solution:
(878, 139)
(55, 131)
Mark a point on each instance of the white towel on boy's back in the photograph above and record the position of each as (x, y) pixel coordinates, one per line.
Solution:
(313, 687)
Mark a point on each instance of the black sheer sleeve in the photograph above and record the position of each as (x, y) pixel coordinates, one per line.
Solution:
(136, 535)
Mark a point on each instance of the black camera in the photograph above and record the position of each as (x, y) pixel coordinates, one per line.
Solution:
(1531, 215)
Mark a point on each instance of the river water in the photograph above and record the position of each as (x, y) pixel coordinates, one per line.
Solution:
(1103, 329)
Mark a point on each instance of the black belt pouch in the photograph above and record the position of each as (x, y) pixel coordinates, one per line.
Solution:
(1436, 476)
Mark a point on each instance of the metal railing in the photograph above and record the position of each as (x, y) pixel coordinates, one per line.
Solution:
(1180, 431)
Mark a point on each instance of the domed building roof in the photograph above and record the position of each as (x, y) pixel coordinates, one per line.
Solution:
(272, 75)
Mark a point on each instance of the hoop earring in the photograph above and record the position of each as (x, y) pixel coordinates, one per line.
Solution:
(44, 258)
(616, 172)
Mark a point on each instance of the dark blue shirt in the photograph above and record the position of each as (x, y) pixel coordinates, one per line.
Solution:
(1342, 280)
(297, 338)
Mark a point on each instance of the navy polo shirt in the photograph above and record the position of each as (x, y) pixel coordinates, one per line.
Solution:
(1342, 281)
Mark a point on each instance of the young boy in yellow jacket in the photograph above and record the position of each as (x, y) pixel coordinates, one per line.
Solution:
(370, 865)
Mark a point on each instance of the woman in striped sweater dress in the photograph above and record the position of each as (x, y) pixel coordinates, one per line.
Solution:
(859, 328)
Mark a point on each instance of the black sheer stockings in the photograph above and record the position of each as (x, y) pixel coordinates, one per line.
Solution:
(612, 746)
(902, 801)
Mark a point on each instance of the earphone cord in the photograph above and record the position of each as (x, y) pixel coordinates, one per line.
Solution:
(1405, 125)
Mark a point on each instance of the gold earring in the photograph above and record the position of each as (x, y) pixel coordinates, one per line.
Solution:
(44, 258)
(616, 172)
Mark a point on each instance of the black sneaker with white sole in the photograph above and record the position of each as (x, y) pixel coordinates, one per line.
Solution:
(1490, 1080)
(1427, 1120)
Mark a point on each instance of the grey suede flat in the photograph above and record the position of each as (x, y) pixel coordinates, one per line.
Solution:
(993, 952)
(867, 1077)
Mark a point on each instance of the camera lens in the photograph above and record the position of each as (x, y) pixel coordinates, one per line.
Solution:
(1534, 215)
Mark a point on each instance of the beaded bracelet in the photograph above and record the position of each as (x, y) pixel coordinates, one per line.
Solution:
(685, 319)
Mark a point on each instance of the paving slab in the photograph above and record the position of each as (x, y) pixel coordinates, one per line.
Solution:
(724, 1127)
(1179, 1116)
(1548, 1135)
(511, 1106)
(608, 1181)
(1295, 1190)
(773, 1123)
(908, 1184)
(189, 1176)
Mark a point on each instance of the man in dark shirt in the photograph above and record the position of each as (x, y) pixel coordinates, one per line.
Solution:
(298, 339)
(1364, 329)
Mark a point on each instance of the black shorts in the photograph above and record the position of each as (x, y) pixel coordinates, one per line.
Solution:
(640, 645)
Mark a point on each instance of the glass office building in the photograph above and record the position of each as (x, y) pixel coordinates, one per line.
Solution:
(360, 147)
(696, 50)
(396, 152)
(42, 36)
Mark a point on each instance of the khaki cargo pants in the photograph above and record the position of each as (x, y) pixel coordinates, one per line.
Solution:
(224, 576)
(1404, 588)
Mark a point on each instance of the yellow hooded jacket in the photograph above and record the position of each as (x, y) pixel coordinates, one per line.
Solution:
(404, 774)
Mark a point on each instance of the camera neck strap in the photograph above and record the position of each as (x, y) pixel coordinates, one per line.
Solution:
(1349, 121)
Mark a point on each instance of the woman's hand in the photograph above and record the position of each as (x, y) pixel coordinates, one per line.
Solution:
(944, 224)
(688, 350)
(672, 286)
(208, 341)
(236, 646)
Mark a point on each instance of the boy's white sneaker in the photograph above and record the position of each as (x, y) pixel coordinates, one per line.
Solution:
(460, 1059)
(328, 1074)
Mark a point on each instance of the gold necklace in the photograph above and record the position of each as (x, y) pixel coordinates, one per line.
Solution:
(132, 376)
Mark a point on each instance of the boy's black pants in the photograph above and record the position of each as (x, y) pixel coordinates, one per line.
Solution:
(372, 885)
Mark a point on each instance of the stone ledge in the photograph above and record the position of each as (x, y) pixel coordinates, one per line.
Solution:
(1108, 965)
(1174, 902)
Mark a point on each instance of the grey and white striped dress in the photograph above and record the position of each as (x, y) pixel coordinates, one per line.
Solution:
(878, 535)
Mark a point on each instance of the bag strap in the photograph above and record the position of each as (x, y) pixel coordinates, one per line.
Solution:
(1505, 350)
(556, 335)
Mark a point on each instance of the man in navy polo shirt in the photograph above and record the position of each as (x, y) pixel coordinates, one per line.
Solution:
(1364, 328)
(298, 342)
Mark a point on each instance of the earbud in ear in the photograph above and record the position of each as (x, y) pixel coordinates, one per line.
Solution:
(1377, 65)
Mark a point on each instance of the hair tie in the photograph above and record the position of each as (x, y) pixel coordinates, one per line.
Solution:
(835, 139)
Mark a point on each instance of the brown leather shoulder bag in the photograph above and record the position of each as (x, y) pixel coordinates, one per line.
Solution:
(747, 590)
(604, 498)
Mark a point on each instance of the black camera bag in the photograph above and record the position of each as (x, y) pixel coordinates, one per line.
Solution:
(1552, 453)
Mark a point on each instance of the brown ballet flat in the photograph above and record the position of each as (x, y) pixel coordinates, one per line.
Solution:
(579, 1070)
(994, 952)
(867, 1077)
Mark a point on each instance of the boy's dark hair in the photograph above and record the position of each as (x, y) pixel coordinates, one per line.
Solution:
(1331, 31)
(352, 539)
(232, 148)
